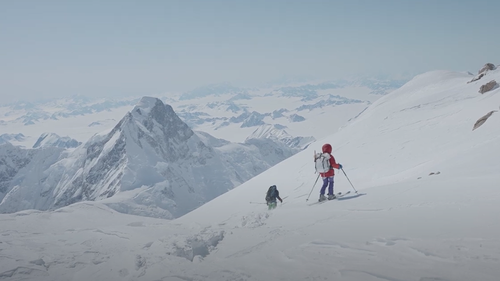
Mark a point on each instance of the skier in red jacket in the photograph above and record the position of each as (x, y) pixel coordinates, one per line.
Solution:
(328, 176)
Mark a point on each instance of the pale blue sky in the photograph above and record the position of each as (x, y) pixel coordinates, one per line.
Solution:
(112, 48)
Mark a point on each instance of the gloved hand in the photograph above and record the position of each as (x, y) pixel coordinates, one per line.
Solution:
(281, 200)
(340, 166)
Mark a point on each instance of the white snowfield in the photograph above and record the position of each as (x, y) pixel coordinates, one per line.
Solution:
(426, 209)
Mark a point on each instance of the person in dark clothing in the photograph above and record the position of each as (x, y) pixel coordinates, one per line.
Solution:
(271, 196)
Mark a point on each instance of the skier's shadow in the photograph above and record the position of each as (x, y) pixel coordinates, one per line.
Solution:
(351, 197)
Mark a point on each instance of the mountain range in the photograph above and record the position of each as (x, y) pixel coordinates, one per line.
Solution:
(224, 111)
(151, 163)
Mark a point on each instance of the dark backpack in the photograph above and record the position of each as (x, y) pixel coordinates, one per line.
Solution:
(271, 193)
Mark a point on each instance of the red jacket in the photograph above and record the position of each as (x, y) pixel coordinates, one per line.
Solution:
(327, 148)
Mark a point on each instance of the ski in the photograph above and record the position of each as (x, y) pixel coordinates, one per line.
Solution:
(343, 194)
(338, 195)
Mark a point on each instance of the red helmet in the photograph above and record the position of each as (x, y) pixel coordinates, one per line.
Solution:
(327, 148)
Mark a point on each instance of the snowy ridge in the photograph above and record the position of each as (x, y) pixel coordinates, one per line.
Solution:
(51, 139)
(12, 138)
(21, 167)
(274, 132)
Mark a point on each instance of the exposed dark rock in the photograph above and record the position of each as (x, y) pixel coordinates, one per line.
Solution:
(488, 86)
(477, 78)
(487, 67)
(483, 119)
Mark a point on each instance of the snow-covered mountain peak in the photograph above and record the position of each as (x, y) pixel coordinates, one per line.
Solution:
(151, 163)
(156, 123)
(267, 130)
(11, 138)
(52, 139)
(278, 133)
(146, 104)
(152, 112)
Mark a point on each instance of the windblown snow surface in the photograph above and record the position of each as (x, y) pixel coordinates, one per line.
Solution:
(426, 209)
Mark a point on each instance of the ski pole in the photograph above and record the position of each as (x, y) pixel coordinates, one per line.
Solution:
(312, 188)
(349, 181)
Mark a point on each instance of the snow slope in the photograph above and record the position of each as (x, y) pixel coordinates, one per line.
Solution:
(426, 209)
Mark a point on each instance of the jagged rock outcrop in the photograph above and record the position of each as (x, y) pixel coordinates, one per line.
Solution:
(487, 67)
(488, 86)
(483, 119)
(477, 77)
(482, 72)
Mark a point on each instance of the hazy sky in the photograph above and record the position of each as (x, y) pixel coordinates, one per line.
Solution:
(111, 48)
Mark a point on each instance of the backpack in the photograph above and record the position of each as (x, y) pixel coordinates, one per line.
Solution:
(271, 193)
(322, 162)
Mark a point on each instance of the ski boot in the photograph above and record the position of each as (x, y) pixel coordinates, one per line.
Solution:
(331, 196)
(322, 197)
